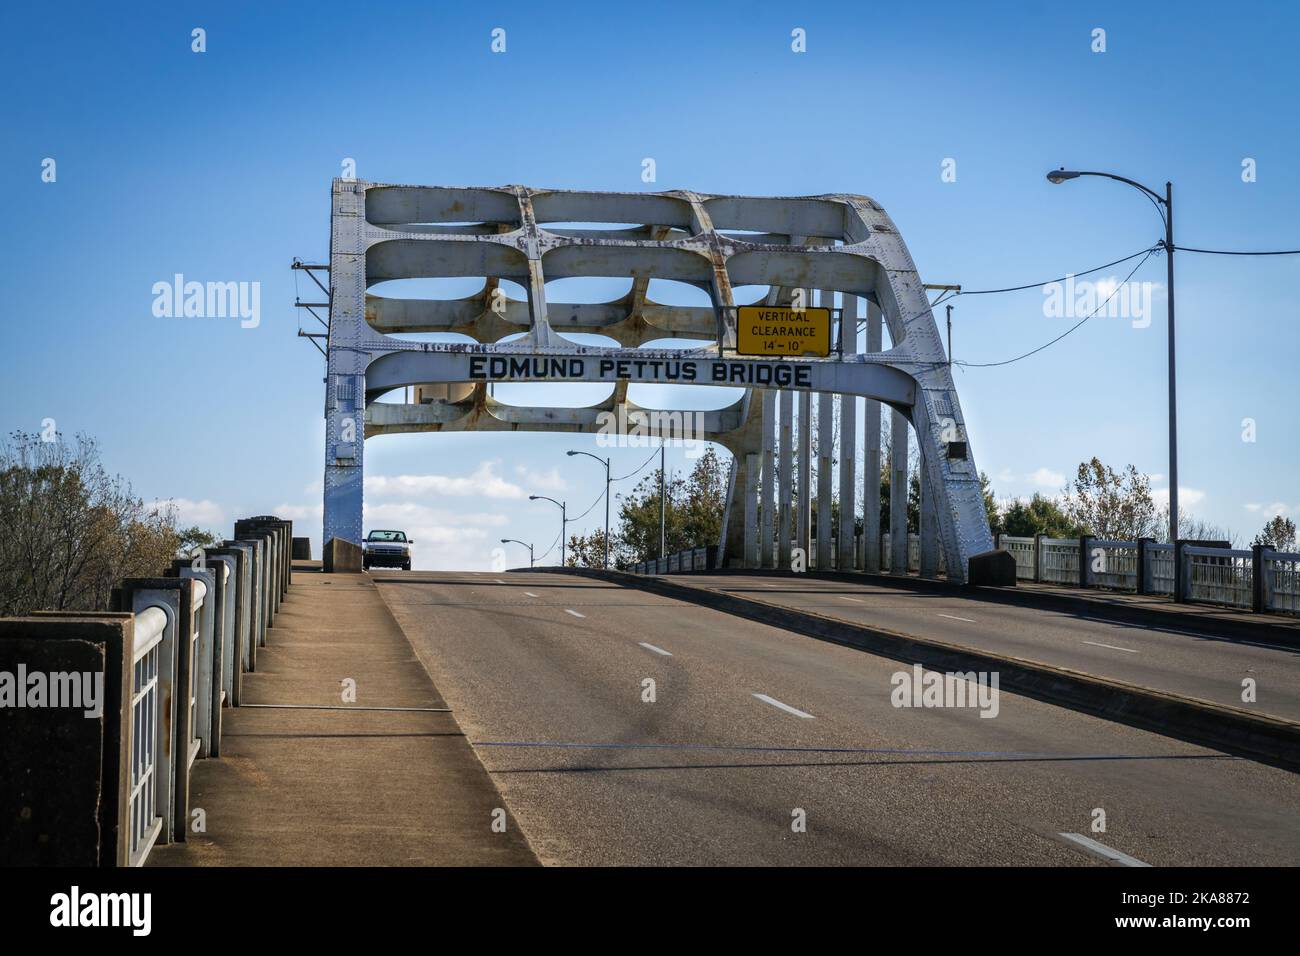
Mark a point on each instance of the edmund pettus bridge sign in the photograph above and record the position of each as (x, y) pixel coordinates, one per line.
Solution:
(842, 245)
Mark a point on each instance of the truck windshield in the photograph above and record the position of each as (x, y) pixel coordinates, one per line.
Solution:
(387, 536)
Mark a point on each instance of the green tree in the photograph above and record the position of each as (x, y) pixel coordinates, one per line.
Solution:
(693, 517)
(69, 531)
(990, 504)
(1038, 515)
(1110, 504)
(196, 537)
(1279, 534)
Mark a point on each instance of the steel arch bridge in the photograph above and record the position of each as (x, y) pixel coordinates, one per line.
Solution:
(842, 244)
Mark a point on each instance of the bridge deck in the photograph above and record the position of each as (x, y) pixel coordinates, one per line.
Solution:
(337, 787)
(1186, 655)
(746, 725)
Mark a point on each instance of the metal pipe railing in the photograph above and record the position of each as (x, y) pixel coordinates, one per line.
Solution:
(147, 730)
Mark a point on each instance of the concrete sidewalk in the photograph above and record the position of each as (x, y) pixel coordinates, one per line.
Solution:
(342, 785)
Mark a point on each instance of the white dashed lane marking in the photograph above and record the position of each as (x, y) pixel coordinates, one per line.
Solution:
(1102, 850)
(1126, 650)
(786, 707)
(574, 613)
(954, 617)
(657, 650)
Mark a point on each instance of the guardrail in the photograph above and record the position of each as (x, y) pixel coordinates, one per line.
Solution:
(169, 657)
(1259, 579)
(695, 559)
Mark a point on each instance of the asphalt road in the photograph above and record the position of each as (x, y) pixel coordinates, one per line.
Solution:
(1181, 661)
(545, 674)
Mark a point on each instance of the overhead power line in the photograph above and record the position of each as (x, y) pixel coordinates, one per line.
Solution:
(639, 470)
(1034, 285)
(1231, 252)
(1149, 254)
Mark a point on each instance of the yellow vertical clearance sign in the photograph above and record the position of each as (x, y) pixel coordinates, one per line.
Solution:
(781, 330)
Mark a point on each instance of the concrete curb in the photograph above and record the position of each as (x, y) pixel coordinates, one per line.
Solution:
(1232, 730)
(1280, 632)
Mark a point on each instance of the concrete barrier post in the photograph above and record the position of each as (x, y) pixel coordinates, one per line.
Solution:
(1258, 586)
(238, 615)
(257, 600)
(1038, 558)
(66, 785)
(1085, 560)
(1144, 565)
(207, 654)
(176, 686)
(1180, 578)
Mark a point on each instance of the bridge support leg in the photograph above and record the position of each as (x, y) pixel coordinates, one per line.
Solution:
(344, 456)
(768, 508)
(785, 480)
(805, 475)
(871, 456)
(929, 525)
(749, 495)
(898, 495)
(848, 442)
(825, 439)
(825, 431)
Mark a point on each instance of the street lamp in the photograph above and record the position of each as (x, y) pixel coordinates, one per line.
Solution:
(605, 462)
(1167, 215)
(525, 544)
(564, 520)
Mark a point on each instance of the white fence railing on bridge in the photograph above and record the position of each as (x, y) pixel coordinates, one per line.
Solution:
(181, 640)
(1209, 575)
(148, 729)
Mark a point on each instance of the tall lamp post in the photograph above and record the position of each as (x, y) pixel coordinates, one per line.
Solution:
(1167, 201)
(524, 543)
(564, 520)
(605, 462)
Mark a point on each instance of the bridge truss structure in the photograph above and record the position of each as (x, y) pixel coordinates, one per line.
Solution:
(795, 246)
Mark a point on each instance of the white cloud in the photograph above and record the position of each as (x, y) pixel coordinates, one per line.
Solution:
(1046, 478)
(1276, 508)
(1187, 497)
(541, 480)
(299, 512)
(484, 482)
(205, 513)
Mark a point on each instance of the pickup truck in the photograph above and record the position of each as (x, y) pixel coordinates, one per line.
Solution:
(386, 549)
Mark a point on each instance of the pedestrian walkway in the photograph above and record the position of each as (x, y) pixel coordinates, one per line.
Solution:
(307, 778)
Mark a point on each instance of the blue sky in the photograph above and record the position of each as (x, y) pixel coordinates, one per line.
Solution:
(218, 166)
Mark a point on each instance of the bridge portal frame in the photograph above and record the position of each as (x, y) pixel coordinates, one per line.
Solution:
(836, 243)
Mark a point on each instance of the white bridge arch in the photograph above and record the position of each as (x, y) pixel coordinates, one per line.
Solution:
(836, 244)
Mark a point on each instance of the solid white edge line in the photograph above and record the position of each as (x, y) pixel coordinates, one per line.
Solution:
(1102, 850)
(657, 650)
(1126, 650)
(786, 707)
(574, 613)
